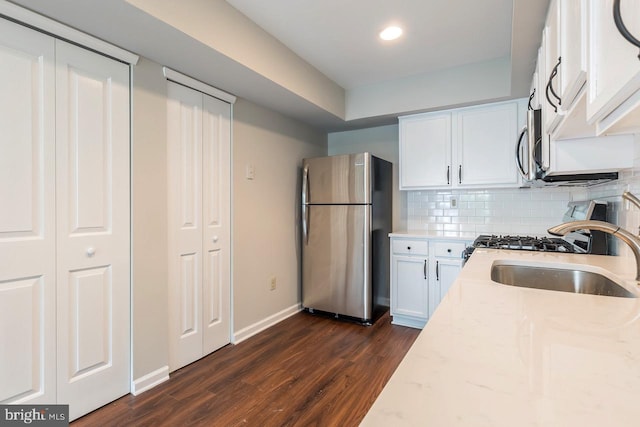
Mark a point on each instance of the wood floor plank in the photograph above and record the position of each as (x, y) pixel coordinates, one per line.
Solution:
(305, 371)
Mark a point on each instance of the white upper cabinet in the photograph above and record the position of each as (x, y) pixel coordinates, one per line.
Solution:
(485, 142)
(552, 102)
(468, 147)
(425, 150)
(573, 49)
(613, 67)
(589, 69)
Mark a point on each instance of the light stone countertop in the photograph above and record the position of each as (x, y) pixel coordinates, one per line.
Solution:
(502, 356)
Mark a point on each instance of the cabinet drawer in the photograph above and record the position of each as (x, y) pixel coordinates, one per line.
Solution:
(448, 249)
(410, 247)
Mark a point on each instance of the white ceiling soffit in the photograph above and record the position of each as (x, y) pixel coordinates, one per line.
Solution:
(321, 61)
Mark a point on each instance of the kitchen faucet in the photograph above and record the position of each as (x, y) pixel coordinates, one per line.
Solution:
(627, 195)
(614, 230)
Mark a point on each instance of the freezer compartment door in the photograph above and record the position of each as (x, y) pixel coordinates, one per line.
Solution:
(341, 179)
(336, 258)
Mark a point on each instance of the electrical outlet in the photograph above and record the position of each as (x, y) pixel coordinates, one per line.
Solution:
(274, 283)
(454, 202)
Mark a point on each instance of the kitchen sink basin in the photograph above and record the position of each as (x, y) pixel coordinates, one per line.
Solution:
(557, 279)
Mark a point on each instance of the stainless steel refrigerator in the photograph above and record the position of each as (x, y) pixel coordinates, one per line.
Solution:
(346, 219)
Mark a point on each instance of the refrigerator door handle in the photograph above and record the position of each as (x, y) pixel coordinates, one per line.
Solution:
(305, 209)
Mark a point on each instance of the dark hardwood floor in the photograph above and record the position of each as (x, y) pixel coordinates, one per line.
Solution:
(304, 371)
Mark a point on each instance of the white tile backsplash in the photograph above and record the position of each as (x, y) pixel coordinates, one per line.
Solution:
(497, 211)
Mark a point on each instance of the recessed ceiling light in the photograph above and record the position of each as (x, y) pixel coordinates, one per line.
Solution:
(391, 33)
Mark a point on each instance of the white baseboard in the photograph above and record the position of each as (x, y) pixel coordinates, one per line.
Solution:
(260, 326)
(150, 380)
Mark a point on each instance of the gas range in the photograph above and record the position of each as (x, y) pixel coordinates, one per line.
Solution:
(525, 243)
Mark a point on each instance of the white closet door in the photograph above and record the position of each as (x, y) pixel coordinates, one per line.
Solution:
(199, 144)
(27, 216)
(92, 171)
(184, 130)
(217, 231)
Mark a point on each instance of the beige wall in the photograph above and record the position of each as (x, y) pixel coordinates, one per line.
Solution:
(382, 142)
(265, 214)
(266, 210)
(149, 220)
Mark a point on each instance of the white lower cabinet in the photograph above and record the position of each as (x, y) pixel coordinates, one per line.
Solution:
(422, 271)
(446, 263)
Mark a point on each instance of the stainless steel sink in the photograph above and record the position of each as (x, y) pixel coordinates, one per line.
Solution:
(557, 279)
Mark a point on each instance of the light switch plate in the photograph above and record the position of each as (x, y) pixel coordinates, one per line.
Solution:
(250, 171)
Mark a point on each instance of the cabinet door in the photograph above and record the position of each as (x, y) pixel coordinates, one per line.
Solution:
(613, 67)
(552, 105)
(445, 272)
(486, 139)
(27, 216)
(573, 49)
(425, 151)
(410, 296)
(92, 199)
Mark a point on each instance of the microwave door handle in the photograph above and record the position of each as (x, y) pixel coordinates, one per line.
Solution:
(518, 159)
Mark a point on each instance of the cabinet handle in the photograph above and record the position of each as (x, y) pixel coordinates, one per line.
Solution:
(617, 18)
(533, 94)
(424, 269)
(549, 87)
(448, 175)
(408, 248)
(438, 270)
(459, 174)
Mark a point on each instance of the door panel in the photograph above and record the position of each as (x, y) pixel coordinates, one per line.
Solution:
(189, 295)
(216, 242)
(89, 322)
(336, 260)
(92, 180)
(89, 147)
(27, 216)
(184, 133)
(22, 306)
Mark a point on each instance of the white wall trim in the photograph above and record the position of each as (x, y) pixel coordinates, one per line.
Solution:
(149, 381)
(263, 324)
(184, 80)
(55, 28)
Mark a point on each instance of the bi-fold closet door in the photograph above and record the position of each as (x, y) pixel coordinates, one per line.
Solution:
(199, 139)
(64, 223)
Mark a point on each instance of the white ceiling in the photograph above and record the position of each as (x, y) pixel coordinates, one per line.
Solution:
(340, 38)
(276, 53)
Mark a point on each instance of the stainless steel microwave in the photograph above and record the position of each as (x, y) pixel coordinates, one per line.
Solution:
(529, 152)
